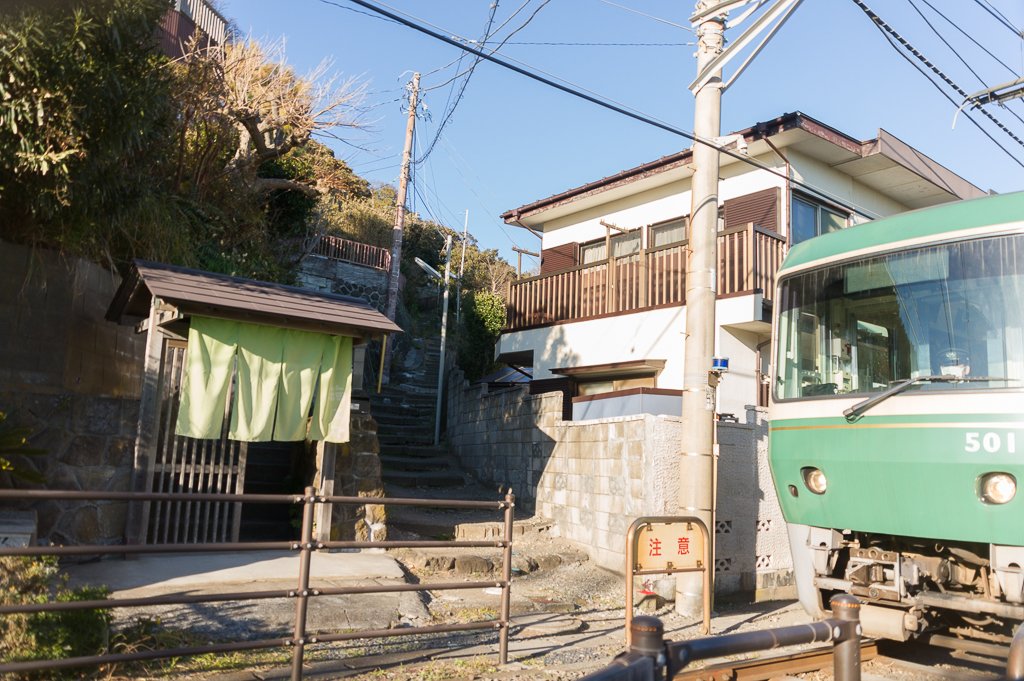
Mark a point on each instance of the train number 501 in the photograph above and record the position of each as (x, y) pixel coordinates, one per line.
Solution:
(990, 442)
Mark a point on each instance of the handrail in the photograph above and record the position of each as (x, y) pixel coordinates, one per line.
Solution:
(305, 546)
(651, 658)
(750, 256)
(347, 250)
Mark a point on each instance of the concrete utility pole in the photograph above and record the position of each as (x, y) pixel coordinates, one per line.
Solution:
(696, 468)
(444, 336)
(462, 267)
(396, 232)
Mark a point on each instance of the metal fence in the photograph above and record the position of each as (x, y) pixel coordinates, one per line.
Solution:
(305, 546)
(652, 658)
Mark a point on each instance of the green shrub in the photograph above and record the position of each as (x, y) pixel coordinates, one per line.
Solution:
(48, 636)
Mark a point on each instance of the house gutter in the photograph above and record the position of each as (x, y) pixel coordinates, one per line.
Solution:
(789, 175)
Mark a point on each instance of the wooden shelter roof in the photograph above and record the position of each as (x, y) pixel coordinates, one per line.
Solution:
(188, 292)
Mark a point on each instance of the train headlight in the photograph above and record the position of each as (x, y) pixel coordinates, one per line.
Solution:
(814, 479)
(997, 488)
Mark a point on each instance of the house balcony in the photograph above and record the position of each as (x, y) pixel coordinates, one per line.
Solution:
(186, 19)
(748, 258)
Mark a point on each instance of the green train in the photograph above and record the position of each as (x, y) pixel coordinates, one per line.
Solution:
(897, 418)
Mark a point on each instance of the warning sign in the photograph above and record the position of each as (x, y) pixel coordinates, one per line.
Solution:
(669, 546)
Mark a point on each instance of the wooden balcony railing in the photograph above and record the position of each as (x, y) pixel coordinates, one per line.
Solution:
(748, 257)
(336, 248)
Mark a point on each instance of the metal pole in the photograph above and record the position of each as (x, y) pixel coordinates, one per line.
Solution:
(305, 547)
(846, 637)
(506, 578)
(383, 354)
(647, 639)
(696, 462)
(462, 268)
(403, 188)
(444, 338)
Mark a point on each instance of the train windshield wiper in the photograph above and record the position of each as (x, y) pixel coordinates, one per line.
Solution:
(855, 412)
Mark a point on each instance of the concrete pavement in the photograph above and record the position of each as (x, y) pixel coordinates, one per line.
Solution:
(192, 574)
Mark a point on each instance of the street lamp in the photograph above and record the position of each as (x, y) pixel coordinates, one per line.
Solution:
(444, 329)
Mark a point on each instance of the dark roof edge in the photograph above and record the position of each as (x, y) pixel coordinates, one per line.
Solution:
(787, 121)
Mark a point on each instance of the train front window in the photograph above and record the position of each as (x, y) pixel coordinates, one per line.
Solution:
(951, 309)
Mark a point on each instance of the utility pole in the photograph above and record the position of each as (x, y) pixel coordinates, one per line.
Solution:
(462, 267)
(696, 467)
(396, 232)
(444, 334)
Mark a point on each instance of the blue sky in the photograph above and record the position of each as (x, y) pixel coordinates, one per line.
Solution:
(511, 141)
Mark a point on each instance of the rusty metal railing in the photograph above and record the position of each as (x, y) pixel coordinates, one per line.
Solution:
(651, 658)
(305, 546)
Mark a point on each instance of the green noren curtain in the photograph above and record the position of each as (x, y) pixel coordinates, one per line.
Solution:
(282, 374)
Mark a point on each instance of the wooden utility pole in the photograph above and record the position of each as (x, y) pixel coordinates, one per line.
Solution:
(396, 232)
(696, 467)
(403, 188)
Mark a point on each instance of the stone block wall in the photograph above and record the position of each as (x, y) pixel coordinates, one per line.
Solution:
(352, 469)
(593, 478)
(345, 278)
(73, 379)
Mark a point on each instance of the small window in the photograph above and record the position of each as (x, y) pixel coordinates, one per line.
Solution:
(622, 246)
(671, 232)
(809, 219)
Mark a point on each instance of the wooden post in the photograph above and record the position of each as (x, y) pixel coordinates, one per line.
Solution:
(147, 429)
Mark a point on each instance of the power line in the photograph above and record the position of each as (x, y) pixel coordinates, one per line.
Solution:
(957, 54)
(449, 106)
(604, 103)
(649, 16)
(892, 35)
(969, 37)
(560, 44)
(1000, 17)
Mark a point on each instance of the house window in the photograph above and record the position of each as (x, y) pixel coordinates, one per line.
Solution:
(671, 232)
(622, 245)
(810, 219)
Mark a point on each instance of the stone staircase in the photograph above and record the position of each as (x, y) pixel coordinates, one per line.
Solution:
(404, 412)
(412, 467)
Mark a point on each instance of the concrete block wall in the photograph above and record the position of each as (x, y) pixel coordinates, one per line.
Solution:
(593, 478)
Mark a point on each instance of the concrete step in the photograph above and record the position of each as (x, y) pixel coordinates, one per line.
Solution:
(412, 479)
(421, 437)
(390, 418)
(428, 450)
(417, 463)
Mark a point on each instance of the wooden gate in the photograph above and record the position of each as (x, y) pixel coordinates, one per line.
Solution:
(184, 464)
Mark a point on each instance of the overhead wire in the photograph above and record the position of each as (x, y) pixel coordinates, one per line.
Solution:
(1000, 17)
(957, 54)
(605, 103)
(649, 16)
(893, 38)
(969, 37)
(450, 106)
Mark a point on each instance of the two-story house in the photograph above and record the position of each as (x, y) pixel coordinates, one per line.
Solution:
(604, 321)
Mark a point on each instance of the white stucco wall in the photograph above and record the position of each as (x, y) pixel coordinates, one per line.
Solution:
(627, 404)
(654, 334)
(654, 205)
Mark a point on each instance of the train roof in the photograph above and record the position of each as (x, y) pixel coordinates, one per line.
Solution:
(918, 224)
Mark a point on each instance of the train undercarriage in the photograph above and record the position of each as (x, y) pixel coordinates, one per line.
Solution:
(910, 586)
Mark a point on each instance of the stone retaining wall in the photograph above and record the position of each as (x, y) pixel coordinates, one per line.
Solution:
(346, 278)
(593, 478)
(73, 378)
